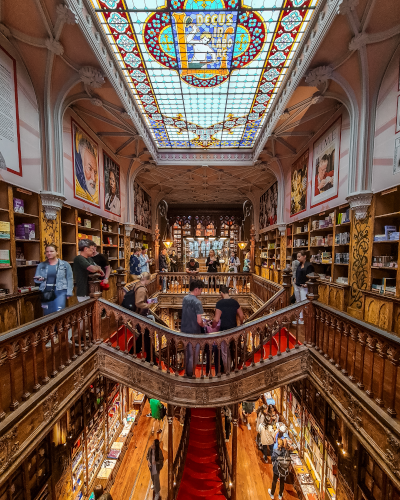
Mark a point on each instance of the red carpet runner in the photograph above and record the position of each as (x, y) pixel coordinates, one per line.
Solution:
(202, 477)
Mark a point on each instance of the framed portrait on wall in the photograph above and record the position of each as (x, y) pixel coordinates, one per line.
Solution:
(112, 193)
(10, 142)
(398, 115)
(85, 158)
(396, 161)
(142, 207)
(325, 166)
(269, 206)
(298, 183)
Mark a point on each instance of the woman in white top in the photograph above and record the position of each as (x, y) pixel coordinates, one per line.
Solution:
(233, 264)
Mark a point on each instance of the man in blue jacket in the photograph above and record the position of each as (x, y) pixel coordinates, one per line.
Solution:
(134, 264)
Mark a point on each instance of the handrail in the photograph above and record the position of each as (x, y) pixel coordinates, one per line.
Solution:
(225, 462)
(232, 347)
(359, 351)
(179, 283)
(276, 302)
(181, 452)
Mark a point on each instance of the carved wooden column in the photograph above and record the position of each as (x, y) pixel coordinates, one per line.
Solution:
(170, 417)
(312, 286)
(121, 282)
(157, 247)
(252, 247)
(94, 286)
(235, 421)
(287, 284)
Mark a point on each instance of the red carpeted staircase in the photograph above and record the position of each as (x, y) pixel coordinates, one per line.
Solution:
(202, 477)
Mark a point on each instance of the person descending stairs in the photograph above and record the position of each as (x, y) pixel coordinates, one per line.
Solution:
(202, 476)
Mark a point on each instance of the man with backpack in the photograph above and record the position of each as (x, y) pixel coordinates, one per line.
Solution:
(280, 467)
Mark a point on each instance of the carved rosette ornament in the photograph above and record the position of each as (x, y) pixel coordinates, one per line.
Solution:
(78, 379)
(318, 76)
(50, 406)
(54, 46)
(65, 14)
(202, 396)
(51, 203)
(270, 377)
(360, 203)
(92, 77)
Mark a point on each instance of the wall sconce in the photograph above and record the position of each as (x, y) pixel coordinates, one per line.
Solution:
(242, 244)
(168, 243)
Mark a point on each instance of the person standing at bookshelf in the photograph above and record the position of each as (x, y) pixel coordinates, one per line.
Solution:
(144, 261)
(305, 267)
(83, 266)
(56, 283)
(134, 264)
(101, 260)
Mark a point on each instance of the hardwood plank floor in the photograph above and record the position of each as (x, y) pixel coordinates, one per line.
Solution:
(133, 479)
(254, 475)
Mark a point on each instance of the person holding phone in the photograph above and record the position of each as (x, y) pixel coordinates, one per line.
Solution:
(54, 277)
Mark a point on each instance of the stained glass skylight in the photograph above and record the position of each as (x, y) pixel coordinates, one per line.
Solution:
(204, 73)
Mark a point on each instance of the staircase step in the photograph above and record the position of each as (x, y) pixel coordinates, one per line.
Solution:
(204, 425)
(201, 487)
(203, 412)
(202, 455)
(203, 471)
(202, 435)
(198, 443)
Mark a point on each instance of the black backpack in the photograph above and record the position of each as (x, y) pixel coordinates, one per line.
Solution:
(283, 464)
(129, 299)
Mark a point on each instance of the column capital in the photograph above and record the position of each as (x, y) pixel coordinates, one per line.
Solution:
(52, 203)
(359, 203)
(128, 228)
(282, 229)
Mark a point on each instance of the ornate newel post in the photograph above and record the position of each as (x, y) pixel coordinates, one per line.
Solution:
(94, 286)
(157, 247)
(287, 283)
(252, 247)
(170, 417)
(312, 295)
(121, 282)
(235, 422)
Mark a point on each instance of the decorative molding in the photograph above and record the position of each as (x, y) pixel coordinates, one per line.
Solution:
(271, 377)
(245, 159)
(79, 379)
(50, 406)
(92, 77)
(353, 411)
(51, 203)
(202, 395)
(9, 447)
(359, 41)
(360, 203)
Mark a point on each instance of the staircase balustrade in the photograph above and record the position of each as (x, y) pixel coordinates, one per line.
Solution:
(39, 351)
(179, 283)
(180, 457)
(225, 462)
(367, 356)
(173, 351)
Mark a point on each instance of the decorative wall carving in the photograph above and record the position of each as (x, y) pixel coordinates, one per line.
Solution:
(360, 259)
(270, 377)
(9, 447)
(50, 406)
(202, 395)
(354, 411)
(78, 379)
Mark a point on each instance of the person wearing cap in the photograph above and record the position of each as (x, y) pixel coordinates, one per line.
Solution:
(281, 433)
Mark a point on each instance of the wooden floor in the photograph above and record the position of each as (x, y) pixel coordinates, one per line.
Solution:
(133, 479)
(254, 475)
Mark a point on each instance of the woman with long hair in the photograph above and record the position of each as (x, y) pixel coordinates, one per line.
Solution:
(212, 264)
(55, 280)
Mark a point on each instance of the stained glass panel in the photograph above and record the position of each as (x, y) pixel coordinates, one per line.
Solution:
(204, 72)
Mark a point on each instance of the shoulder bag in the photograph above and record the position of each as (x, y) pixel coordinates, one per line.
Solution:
(50, 295)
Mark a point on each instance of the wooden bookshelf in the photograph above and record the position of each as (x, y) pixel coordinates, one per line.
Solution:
(269, 255)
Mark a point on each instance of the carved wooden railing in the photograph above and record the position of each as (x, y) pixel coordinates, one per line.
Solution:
(239, 347)
(225, 461)
(39, 351)
(180, 282)
(368, 356)
(263, 288)
(180, 457)
(276, 302)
